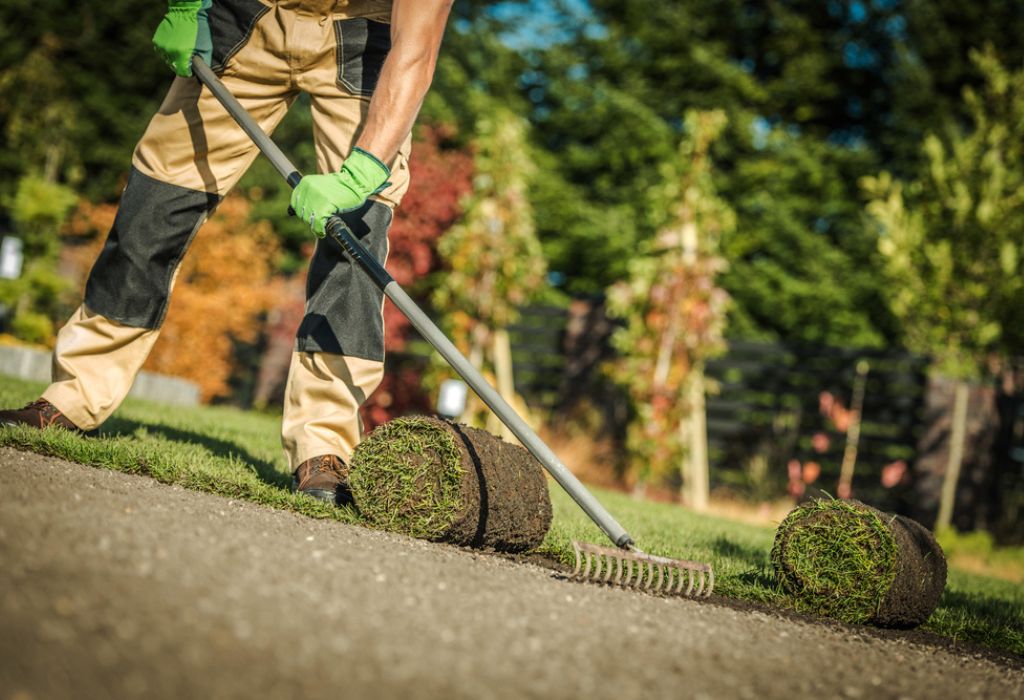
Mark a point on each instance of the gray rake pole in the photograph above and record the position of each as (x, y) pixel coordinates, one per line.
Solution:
(337, 229)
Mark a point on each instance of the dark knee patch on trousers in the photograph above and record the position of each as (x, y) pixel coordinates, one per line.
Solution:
(131, 280)
(343, 305)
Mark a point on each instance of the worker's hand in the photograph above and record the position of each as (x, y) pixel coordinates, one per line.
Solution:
(184, 31)
(318, 197)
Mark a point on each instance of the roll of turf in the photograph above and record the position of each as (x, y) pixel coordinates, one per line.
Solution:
(441, 481)
(849, 561)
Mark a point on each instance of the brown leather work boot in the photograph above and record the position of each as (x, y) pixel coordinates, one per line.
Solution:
(324, 477)
(38, 414)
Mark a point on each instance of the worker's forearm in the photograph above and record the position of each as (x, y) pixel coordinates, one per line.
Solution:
(404, 81)
(416, 30)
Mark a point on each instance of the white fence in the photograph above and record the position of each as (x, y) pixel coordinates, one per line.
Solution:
(34, 365)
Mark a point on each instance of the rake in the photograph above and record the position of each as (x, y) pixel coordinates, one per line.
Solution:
(622, 565)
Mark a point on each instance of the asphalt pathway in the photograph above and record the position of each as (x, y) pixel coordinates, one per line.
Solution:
(117, 586)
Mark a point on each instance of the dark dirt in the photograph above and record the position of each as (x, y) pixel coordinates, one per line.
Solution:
(920, 575)
(117, 586)
(506, 505)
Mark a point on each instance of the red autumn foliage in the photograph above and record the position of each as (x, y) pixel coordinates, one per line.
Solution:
(441, 177)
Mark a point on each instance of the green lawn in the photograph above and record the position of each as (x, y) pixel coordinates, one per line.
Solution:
(237, 454)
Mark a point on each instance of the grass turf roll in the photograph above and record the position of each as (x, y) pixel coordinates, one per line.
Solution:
(849, 561)
(441, 481)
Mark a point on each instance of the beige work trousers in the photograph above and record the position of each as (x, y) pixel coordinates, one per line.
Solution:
(190, 156)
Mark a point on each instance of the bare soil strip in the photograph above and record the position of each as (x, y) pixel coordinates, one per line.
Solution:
(117, 586)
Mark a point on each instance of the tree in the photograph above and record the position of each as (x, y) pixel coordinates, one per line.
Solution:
(493, 261)
(801, 264)
(673, 316)
(38, 208)
(953, 236)
(102, 55)
(953, 239)
(606, 112)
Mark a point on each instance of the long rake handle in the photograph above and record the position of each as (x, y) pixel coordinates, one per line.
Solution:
(337, 229)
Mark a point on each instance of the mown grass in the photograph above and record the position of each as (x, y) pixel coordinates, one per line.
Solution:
(237, 454)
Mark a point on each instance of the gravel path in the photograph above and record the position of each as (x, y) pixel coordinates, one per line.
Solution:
(117, 586)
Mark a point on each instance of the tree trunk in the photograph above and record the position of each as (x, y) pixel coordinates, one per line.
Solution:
(503, 373)
(845, 487)
(956, 456)
(696, 477)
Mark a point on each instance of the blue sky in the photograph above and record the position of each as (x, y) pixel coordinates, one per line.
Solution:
(539, 23)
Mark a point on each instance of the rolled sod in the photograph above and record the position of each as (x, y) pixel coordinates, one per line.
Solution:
(849, 561)
(441, 481)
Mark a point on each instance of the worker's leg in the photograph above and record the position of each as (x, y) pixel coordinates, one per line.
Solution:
(191, 154)
(339, 353)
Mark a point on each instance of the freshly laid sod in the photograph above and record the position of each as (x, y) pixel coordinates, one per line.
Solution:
(849, 561)
(238, 455)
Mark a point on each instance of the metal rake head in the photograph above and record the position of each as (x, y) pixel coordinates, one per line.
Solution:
(634, 569)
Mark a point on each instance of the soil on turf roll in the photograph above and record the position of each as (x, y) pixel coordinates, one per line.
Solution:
(438, 480)
(852, 562)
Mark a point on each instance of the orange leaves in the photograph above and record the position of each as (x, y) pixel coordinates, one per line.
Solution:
(223, 288)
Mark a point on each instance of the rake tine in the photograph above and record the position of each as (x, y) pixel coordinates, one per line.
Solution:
(685, 582)
(629, 571)
(661, 577)
(700, 585)
(641, 574)
(681, 573)
(588, 562)
(579, 560)
(674, 576)
(613, 564)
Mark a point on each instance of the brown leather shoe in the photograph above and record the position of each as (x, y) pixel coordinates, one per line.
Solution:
(38, 414)
(324, 477)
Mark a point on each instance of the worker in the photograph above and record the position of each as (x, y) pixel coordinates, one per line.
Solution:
(366, 66)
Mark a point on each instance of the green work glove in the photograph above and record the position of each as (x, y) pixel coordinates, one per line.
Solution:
(318, 197)
(184, 31)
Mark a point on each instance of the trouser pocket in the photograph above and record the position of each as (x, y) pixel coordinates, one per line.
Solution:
(231, 25)
(363, 44)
